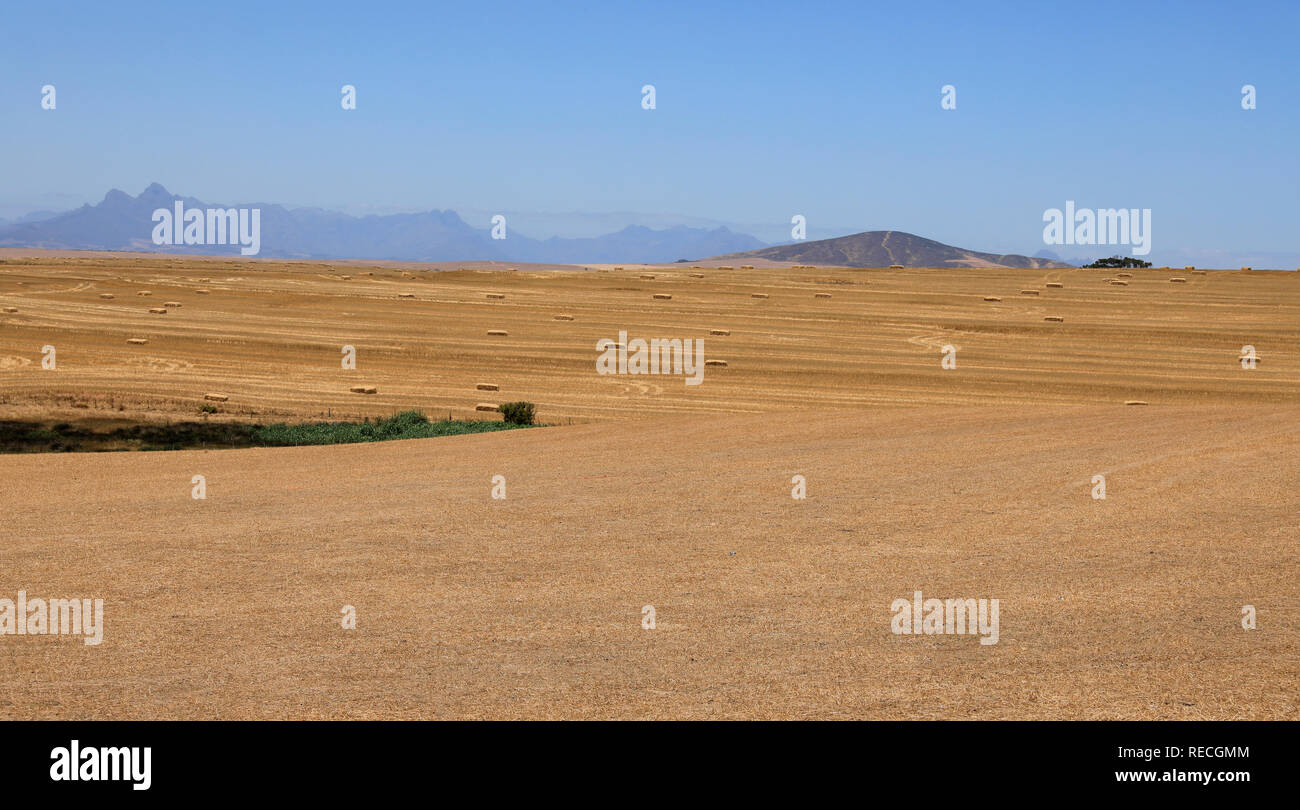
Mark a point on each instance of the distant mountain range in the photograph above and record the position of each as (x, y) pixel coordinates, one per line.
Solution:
(883, 248)
(123, 222)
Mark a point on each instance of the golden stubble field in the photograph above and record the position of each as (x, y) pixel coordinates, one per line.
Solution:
(270, 336)
(967, 483)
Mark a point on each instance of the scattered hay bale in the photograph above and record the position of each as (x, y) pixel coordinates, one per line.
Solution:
(563, 317)
(716, 363)
(106, 296)
(485, 406)
(618, 268)
(1247, 269)
(497, 296)
(210, 397)
(697, 275)
(1029, 292)
(137, 341)
(896, 267)
(821, 295)
(11, 310)
(1054, 318)
(498, 333)
(747, 267)
(172, 304)
(1135, 402)
(158, 310)
(726, 267)
(1117, 283)
(346, 278)
(487, 387)
(663, 297)
(1190, 267)
(1178, 280)
(720, 332)
(200, 292)
(1056, 285)
(364, 389)
(647, 277)
(1129, 275)
(144, 292)
(205, 281)
(991, 298)
(758, 295)
(406, 295)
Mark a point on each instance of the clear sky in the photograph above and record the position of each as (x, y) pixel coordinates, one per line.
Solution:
(763, 110)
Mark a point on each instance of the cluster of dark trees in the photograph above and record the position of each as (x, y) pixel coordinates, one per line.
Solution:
(1119, 261)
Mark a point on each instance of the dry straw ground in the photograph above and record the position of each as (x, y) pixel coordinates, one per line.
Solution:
(973, 482)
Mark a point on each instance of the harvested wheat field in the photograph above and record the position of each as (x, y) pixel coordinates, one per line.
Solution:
(972, 482)
(271, 333)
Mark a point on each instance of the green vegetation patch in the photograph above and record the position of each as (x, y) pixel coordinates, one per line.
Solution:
(404, 425)
(24, 437)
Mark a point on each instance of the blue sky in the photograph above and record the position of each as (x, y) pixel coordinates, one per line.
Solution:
(764, 110)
